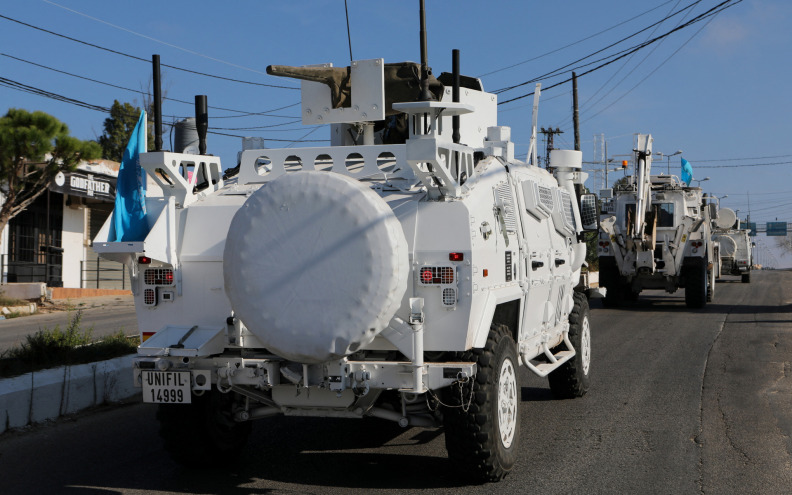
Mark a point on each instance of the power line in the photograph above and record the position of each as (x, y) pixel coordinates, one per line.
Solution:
(142, 59)
(738, 159)
(48, 94)
(745, 165)
(624, 53)
(154, 39)
(58, 97)
(573, 43)
(586, 105)
(140, 92)
(566, 67)
(650, 73)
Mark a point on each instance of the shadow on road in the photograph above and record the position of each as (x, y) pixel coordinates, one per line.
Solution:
(329, 453)
(669, 304)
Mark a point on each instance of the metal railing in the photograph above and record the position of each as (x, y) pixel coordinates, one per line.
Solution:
(29, 271)
(103, 274)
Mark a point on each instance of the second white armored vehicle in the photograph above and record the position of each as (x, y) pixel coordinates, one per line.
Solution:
(656, 235)
(398, 276)
(735, 245)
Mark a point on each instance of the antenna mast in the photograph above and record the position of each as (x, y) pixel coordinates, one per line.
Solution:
(349, 33)
(426, 95)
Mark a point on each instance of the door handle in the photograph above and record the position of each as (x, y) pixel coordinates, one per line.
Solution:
(537, 264)
(559, 262)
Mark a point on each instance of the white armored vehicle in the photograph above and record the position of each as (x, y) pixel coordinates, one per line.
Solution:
(399, 277)
(656, 235)
(735, 245)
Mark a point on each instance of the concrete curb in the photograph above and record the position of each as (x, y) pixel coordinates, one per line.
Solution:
(48, 394)
(27, 309)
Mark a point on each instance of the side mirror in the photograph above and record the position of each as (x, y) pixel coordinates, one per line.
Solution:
(589, 213)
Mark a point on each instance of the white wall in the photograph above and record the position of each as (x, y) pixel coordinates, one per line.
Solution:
(73, 243)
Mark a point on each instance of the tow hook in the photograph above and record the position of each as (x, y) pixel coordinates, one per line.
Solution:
(361, 385)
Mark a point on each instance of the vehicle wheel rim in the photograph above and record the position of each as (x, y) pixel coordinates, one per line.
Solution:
(585, 345)
(507, 403)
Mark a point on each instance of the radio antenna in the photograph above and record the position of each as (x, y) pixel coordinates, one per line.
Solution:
(426, 95)
(349, 34)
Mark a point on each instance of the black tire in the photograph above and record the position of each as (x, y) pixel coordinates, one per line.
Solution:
(696, 284)
(711, 285)
(611, 280)
(571, 379)
(483, 441)
(746, 278)
(202, 433)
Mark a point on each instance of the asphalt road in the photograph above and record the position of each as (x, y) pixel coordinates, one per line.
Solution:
(681, 402)
(102, 315)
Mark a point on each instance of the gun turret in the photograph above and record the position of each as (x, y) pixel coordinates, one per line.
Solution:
(402, 82)
(335, 78)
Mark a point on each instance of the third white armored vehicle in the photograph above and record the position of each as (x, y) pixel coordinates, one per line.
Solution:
(404, 277)
(656, 235)
(735, 245)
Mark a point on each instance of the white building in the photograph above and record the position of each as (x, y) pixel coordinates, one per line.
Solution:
(51, 240)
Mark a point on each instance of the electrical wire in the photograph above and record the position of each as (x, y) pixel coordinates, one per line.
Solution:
(110, 50)
(624, 53)
(744, 165)
(710, 13)
(48, 94)
(573, 43)
(739, 159)
(566, 68)
(58, 97)
(652, 72)
(133, 90)
(585, 105)
(154, 39)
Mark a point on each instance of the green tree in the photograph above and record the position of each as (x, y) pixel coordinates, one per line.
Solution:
(34, 147)
(117, 130)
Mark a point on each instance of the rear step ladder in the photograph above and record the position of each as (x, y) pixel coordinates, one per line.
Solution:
(556, 360)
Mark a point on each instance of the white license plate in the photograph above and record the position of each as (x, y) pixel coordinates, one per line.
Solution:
(166, 387)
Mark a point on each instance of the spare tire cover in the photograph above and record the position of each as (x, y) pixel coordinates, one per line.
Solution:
(727, 245)
(315, 265)
(726, 218)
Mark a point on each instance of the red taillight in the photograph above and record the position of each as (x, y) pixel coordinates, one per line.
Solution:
(456, 256)
(146, 335)
(604, 243)
(144, 260)
(168, 277)
(437, 275)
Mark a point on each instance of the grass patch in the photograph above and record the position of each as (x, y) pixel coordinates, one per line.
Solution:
(10, 301)
(52, 348)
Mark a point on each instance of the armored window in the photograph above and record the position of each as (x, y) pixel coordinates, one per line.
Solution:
(665, 214)
(629, 213)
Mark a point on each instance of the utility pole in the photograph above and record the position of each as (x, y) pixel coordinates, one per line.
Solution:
(549, 133)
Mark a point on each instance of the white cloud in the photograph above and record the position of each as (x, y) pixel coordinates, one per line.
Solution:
(725, 34)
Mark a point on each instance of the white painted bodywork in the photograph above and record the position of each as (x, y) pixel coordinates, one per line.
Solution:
(514, 225)
(652, 256)
(735, 243)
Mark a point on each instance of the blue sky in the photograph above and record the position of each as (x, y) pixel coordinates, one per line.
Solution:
(718, 89)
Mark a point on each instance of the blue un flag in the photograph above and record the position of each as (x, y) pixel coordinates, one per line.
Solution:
(129, 216)
(687, 172)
